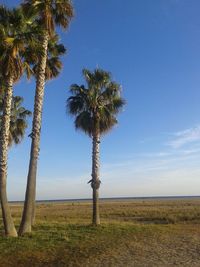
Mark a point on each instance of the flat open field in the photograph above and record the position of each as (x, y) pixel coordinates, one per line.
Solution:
(133, 233)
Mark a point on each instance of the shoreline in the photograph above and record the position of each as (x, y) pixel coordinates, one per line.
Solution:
(111, 199)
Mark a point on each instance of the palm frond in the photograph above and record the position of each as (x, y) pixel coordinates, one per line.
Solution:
(18, 120)
(84, 122)
(15, 33)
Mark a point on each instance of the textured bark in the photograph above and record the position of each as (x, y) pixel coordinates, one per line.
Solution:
(95, 179)
(34, 206)
(4, 140)
(33, 215)
(26, 223)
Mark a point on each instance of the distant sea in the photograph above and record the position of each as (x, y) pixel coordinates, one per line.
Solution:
(116, 199)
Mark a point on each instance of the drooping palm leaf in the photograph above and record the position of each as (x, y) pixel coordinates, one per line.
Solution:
(18, 120)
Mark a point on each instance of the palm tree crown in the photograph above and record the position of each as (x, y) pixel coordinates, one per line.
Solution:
(50, 12)
(96, 106)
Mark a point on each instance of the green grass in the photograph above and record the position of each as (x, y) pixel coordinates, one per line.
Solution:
(133, 233)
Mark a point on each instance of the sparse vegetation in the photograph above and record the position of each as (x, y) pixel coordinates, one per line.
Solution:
(133, 233)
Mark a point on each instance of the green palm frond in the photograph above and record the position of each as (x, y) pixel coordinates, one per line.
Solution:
(16, 31)
(76, 89)
(84, 122)
(75, 105)
(18, 120)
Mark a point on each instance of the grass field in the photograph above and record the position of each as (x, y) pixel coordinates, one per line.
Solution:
(133, 233)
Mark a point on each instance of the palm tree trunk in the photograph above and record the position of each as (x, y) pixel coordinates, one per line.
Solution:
(34, 208)
(26, 223)
(4, 139)
(95, 179)
(33, 215)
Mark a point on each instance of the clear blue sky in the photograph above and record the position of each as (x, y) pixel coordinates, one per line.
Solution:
(153, 49)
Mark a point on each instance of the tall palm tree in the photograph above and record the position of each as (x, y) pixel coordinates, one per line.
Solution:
(95, 108)
(49, 14)
(13, 37)
(53, 67)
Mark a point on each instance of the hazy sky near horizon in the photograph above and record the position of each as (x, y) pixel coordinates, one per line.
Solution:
(152, 48)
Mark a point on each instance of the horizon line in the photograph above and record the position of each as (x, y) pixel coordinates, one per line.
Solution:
(108, 198)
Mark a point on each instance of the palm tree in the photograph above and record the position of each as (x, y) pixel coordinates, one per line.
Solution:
(49, 14)
(95, 108)
(53, 68)
(13, 38)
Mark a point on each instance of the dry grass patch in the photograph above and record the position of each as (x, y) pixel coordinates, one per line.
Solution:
(133, 233)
